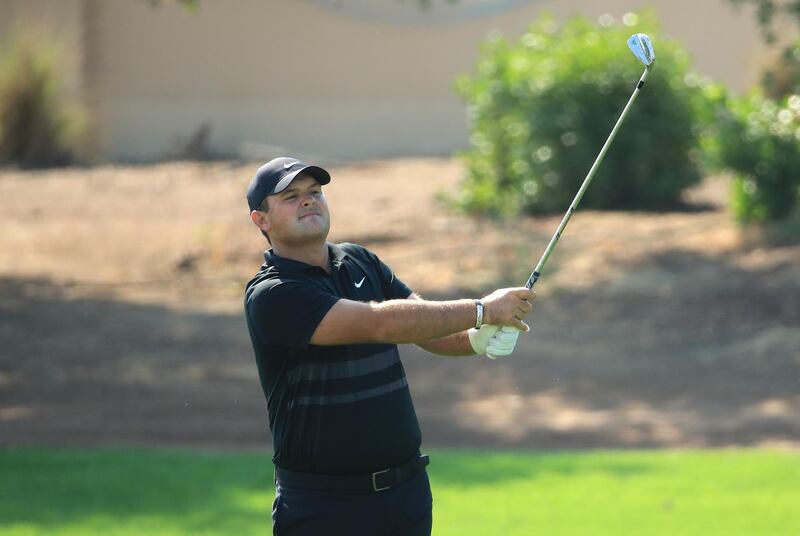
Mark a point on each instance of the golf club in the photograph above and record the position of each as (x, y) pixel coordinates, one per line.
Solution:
(643, 49)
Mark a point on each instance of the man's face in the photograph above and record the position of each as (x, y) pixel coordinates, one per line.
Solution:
(299, 214)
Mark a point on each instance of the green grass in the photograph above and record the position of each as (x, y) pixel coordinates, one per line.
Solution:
(164, 492)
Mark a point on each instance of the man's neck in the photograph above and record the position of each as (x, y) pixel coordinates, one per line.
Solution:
(313, 254)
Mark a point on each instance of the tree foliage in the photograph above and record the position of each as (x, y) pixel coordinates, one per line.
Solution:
(190, 5)
(542, 107)
(39, 125)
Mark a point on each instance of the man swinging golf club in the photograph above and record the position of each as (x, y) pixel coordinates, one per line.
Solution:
(324, 320)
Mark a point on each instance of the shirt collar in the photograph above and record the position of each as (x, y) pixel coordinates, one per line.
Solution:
(336, 256)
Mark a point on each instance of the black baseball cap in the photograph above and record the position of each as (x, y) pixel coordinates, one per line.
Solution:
(276, 175)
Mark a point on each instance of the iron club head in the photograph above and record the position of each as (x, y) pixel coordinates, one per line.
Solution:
(641, 46)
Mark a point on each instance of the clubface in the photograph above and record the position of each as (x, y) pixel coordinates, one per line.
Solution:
(642, 47)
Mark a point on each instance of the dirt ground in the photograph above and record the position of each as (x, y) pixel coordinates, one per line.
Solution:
(121, 314)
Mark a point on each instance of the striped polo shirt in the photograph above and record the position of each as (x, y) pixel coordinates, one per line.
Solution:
(343, 409)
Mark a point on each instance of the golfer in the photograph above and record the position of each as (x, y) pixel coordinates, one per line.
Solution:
(325, 320)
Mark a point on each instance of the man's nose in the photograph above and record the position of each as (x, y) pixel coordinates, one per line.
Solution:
(308, 199)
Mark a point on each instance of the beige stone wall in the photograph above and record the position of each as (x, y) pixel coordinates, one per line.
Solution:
(288, 74)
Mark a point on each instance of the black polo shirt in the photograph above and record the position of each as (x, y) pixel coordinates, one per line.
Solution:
(342, 409)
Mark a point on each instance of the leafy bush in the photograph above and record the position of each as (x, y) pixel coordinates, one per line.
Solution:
(37, 125)
(759, 139)
(541, 109)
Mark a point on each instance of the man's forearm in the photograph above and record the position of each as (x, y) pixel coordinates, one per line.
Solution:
(420, 321)
(455, 345)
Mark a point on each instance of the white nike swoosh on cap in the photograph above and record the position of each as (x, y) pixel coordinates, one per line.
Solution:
(358, 285)
(289, 165)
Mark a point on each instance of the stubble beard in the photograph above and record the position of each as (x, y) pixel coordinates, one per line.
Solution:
(306, 236)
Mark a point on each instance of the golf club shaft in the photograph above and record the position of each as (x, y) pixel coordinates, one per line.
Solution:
(551, 246)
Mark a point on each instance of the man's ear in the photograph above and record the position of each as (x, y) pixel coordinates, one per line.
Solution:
(261, 220)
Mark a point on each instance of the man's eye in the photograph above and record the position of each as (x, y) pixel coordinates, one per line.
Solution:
(290, 197)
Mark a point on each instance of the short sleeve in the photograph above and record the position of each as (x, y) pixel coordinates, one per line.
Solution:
(393, 287)
(287, 313)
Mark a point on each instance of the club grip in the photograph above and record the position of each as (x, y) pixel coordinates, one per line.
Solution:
(532, 279)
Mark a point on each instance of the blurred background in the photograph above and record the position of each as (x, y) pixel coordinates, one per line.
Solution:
(659, 390)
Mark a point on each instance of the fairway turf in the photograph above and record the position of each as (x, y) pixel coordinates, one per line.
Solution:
(166, 492)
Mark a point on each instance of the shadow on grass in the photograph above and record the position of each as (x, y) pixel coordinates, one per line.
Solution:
(53, 489)
(225, 493)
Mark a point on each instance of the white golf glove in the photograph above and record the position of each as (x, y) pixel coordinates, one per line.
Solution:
(493, 341)
(503, 342)
(479, 338)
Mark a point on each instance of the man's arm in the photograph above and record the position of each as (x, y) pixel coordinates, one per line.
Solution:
(417, 321)
(455, 345)
(393, 321)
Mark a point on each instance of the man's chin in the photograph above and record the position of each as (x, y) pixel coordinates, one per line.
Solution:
(310, 237)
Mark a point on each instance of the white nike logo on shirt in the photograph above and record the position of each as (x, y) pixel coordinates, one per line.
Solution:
(358, 285)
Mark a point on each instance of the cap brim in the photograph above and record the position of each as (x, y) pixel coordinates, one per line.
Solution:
(319, 174)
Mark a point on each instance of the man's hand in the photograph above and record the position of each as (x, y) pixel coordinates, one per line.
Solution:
(480, 338)
(493, 341)
(502, 342)
(508, 307)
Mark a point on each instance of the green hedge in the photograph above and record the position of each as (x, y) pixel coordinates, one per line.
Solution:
(541, 108)
(759, 140)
